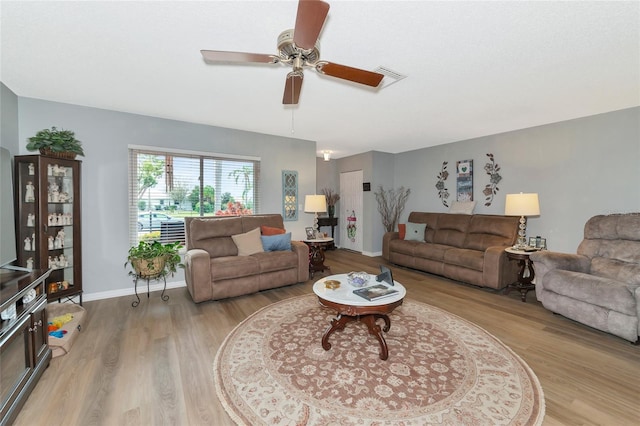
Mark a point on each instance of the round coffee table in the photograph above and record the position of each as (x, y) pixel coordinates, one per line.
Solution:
(351, 307)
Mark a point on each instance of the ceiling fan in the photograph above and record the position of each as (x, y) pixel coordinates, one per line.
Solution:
(299, 48)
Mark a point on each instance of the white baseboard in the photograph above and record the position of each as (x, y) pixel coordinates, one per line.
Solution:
(372, 254)
(142, 289)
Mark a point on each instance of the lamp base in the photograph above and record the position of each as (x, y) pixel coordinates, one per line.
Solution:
(522, 233)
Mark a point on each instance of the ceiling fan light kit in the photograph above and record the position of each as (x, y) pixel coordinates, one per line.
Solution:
(299, 48)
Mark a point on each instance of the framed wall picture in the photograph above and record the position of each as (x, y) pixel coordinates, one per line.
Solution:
(464, 180)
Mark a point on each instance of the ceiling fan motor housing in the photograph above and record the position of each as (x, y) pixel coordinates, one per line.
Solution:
(289, 52)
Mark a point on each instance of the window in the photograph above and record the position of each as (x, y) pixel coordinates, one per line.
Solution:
(165, 186)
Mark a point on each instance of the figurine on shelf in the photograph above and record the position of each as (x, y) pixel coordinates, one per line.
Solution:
(67, 219)
(30, 263)
(49, 170)
(59, 241)
(29, 195)
(51, 264)
(32, 169)
(59, 219)
(64, 197)
(54, 193)
(62, 261)
(31, 219)
(50, 243)
(51, 219)
(27, 244)
(33, 241)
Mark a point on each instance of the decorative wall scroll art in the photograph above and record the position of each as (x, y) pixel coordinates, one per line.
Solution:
(351, 226)
(289, 195)
(443, 192)
(491, 189)
(464, 181)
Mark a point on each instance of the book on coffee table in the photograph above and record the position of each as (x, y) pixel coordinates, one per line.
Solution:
(375, 292)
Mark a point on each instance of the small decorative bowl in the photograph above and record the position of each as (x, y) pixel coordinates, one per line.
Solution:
(358, 279)
(332, 284)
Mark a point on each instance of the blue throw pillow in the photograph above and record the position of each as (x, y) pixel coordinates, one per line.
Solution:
(279, 242)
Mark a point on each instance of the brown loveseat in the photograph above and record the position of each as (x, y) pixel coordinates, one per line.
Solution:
(467, 248)
(213, 269)
(600, 285)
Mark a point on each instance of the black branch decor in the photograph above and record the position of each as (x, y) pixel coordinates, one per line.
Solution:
(491, 189)
(391, 203)
(443, 192)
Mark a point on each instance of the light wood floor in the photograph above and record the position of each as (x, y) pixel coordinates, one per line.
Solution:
(152, 365)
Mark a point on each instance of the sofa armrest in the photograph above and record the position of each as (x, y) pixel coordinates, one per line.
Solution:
(302, 251)
(386, 239)
(197, 273)
(546, 261)
(498, 271)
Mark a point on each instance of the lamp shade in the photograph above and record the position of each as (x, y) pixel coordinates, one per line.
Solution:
(522, 205)
(315, 203)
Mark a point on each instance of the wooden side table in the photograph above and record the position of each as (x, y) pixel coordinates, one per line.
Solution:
(524, 284)
(332, 222)
(316, 254)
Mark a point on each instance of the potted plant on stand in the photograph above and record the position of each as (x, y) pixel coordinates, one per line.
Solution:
(154, 259)
(56, 143)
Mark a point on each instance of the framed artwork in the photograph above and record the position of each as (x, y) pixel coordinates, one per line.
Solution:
(464, 181)
(289, 195)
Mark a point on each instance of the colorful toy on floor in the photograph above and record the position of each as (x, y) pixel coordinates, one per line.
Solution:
(56, 324)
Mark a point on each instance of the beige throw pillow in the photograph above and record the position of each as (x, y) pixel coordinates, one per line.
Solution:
(248, 243)
(462, 207)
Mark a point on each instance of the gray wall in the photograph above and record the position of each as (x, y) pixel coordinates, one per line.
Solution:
(8, 119)
(106, 135)
(579, 168)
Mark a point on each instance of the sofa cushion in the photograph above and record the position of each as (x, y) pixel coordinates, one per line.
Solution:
(592, 289)
(452, 229)
(276, 261)
(270, 230)
(402, 230)
(403, 246)
(429, 218)
(488, 231)
(431, 251)
(625, 272)
(462, 207)
(229, 267)
(471, 259)
(276, 242)
(415, 231)
(248, 243)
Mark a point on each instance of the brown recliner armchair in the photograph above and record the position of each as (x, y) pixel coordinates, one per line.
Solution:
(600, 285)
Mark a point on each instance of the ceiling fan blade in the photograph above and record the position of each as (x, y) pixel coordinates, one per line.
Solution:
(222, 56)
(356, 75)
(309, 22)
(292, 88)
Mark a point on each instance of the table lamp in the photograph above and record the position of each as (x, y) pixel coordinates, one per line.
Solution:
(522, 205)
(315, 204)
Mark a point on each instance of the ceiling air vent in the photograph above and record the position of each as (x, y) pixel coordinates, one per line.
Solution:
(390, 76)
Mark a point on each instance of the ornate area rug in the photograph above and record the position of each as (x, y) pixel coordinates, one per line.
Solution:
(442, 370)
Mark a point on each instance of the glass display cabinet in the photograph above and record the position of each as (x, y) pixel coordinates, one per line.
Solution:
(47, 193)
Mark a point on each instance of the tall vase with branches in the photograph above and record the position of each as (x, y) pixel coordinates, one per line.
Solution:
(391, 203)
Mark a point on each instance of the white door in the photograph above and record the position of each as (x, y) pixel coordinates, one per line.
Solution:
(351, 210)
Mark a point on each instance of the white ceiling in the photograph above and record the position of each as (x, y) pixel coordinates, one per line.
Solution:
(474, 68)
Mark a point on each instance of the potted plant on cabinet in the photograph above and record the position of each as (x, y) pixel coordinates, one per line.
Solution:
(154, 259)
(56, 143)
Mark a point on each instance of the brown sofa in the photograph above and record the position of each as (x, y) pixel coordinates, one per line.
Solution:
(467, 248)
(600, 285)
(213, 269)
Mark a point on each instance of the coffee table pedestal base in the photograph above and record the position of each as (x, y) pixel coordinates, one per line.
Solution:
(340, 321)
